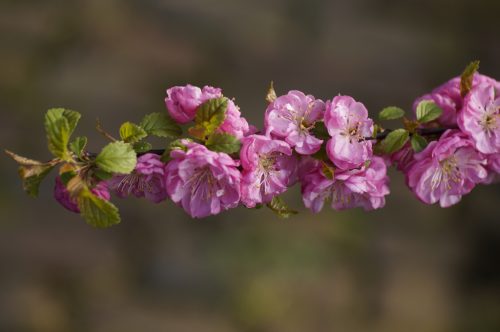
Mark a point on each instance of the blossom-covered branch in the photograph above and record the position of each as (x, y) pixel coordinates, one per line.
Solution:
(213, 160)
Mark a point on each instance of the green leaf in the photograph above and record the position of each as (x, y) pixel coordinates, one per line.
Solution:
(132, 133)
(223, 142)
(32, 176)
(395, 140)
(209, 116)
(427, 111)
(78, 145)
(32, 172)
(418, 143)
(117, 157)
(73, 117)
(179, 144)
(96, 211)
(59, 125)
(102, 175)
(320, 131)
(391, 113)
(278, 206)
(67, 176)
(141, 147)
(58, 131)
(161, 125)
(467, 77)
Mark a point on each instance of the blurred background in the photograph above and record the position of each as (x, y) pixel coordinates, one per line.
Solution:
(407, 267)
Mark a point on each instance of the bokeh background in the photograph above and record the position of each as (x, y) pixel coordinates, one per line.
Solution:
(408, 267)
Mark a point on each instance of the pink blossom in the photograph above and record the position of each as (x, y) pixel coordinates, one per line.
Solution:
(234, 123)
(182, 101)
(447, 96)
(62, 195)
(307, 165)
(403, 158)
(480, 118)
(291, 117)
(365, 187)
(446, 170)
(147, 180)
(452, 87)
(348, 124)
(209, 92)
(268, 169)
(203, 182)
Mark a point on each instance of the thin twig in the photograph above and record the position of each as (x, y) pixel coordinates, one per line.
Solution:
(99, 128)
(420, 131)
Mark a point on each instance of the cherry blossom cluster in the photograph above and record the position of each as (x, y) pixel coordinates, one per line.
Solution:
(332, 149)
(205, 182)
(467, 154)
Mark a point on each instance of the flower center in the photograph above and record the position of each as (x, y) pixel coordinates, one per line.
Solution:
(353, 133)
(267, 167)
(202, 179)
(448, 172)
(339, 194)
(267, 163)
(303, 125)
(490, 119)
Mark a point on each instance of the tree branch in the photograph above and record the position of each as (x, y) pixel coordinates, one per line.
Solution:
(420, 131)
(380, 136)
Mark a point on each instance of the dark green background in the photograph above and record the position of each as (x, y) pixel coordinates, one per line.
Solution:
(408, 267)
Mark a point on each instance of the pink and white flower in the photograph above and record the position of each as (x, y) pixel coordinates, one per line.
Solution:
(365, 187)
(147, 180)
(348, 124)
(480, 118)
(446, 170)
(291, 117)
(447, 96)
(269, 168)
(201, 181)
